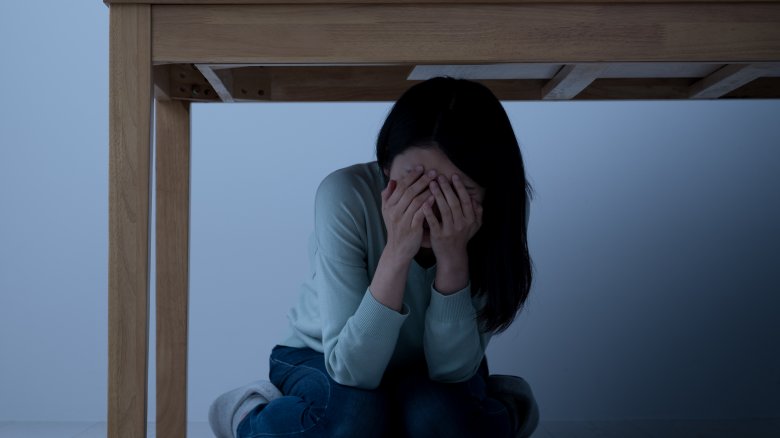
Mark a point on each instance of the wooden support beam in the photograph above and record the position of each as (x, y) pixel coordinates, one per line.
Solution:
(571, 80)
(478, 2)
(130, 150)
(731, 77)
(172, 286)
(187, 83)
(456, 33)
(221, 86)
(387, 83)
(541, 70)
(162, 82)
(506, 70)
(761, 88)
(251, 84)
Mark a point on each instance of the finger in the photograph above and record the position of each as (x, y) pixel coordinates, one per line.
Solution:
(422, 183)
(419, 186)
(463, 194)
(419, 216)
(403, 183)
(441, 202)
(452, 198)
(433, 223)
(478, 211)
(388, 190)
(416, 203)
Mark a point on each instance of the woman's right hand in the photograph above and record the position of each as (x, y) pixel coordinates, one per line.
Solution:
(402, 211)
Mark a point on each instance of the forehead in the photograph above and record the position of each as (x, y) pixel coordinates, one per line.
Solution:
(430, 158)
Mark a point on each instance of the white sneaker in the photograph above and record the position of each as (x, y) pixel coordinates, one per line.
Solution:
(227, 411)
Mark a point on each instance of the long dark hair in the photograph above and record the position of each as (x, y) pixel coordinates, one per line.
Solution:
(468, 123)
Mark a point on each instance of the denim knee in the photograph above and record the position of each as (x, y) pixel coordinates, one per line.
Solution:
(427, 415)
(354, 412)
(430, 408)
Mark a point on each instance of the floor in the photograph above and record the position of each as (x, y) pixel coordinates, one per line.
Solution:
(547, 429)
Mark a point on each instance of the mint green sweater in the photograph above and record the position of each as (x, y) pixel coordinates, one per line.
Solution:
(338, 316)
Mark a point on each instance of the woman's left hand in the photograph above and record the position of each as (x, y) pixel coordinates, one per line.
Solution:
(461, 217)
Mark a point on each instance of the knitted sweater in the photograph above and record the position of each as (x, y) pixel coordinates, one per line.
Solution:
(338, 316)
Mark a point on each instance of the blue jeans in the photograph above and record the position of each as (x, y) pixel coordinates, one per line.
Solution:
(406, 403)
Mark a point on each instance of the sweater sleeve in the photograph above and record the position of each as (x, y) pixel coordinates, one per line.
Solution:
(358, 333)
(454, 346)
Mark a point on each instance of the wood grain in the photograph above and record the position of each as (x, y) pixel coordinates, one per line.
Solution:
(172, 251)
(730, 78)
(248, 2)
(162, 82)
(461, 33)
(130, 112)
(221, 87)
(571, 80)
(387, 83)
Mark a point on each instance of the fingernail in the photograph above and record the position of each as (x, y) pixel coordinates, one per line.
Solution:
(455, 177)
(432, 173)
(418, 168)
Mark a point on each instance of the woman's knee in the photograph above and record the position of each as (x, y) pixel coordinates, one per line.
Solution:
(430, 414)
(354, 412)
(431, 408)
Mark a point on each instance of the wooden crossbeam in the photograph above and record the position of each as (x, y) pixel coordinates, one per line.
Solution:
(252, 84)
(571, 80)
(456, 33)
(326, 2)
(162, 82)
(731, 77)
(220, 86)
(349, 83)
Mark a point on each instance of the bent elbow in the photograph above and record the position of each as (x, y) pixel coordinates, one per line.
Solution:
(359, 383)
(345, 375)
(452, 376)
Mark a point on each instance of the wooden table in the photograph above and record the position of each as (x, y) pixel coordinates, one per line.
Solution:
(174, 52)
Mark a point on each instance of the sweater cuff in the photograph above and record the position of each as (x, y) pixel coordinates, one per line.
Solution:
(452, 307)
(375, 319)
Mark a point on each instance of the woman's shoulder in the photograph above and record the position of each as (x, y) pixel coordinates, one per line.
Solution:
(364, 180)
(347, 205)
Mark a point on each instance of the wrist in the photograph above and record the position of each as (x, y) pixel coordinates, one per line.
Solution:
(452, 275)
(389, 281)
(395, 257)
(452, 261)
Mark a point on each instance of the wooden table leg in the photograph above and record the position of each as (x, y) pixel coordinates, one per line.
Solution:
(130, 114)
(173, 220)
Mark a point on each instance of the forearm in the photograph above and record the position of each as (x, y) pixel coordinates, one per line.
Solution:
(452, 273)
(360, 353)
(452, 342)
(389, 280)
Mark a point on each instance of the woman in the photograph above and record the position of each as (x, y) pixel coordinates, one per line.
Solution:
(417, 259)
